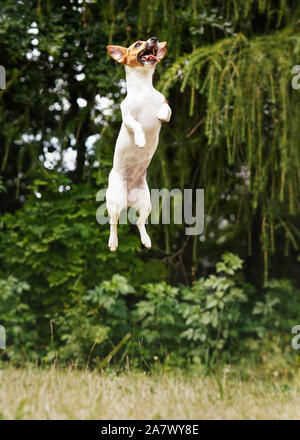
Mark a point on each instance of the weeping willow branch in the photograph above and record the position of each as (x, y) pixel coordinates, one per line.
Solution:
(252, 111)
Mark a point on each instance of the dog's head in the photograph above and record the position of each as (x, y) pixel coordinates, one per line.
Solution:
(141, 53)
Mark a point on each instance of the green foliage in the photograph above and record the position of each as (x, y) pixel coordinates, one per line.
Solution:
(246, 84)
(213, 309)
(158, 323)
(57, 246)
(94, 325)
(280, 308)
(216, 320)
(18, 320)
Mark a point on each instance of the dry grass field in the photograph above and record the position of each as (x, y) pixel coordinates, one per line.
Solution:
(33, 393)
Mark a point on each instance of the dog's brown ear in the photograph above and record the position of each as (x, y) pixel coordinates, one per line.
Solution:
(117, 52)
(162, 50)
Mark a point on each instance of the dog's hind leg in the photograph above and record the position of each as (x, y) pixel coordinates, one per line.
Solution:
(116, 200)
(139, 198)
(113, 236)
(144, 214)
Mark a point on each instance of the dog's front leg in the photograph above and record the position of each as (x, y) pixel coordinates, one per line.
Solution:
(132, 124)
(164, 113)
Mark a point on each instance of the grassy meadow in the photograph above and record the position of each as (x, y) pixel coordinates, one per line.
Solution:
(33, 393)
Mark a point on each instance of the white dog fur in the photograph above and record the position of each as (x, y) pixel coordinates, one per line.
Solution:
(143, 110)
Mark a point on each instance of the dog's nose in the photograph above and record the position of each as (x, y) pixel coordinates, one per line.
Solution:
(154, 39)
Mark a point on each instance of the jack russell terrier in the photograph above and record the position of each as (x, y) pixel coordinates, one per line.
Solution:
(143, 110)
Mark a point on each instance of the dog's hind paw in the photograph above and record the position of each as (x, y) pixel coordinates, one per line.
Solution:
(139, 139)
(113, 244)
(146, 241)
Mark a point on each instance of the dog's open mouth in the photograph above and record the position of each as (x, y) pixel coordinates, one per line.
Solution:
(148, 55)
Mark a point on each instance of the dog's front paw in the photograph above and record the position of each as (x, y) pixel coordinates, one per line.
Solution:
(139, 139)
(164, 113)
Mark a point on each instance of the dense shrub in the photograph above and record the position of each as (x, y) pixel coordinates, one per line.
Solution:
(216, 319)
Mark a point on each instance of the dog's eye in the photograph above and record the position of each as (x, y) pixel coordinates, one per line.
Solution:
(138, 44)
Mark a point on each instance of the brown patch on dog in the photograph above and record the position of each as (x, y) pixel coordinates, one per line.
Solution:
(128, 56)
(117, 52)
(131, 58)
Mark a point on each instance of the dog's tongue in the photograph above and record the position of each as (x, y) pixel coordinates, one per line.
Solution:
(149, 57)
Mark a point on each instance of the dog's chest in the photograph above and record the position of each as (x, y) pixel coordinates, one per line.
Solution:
(145, 106)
